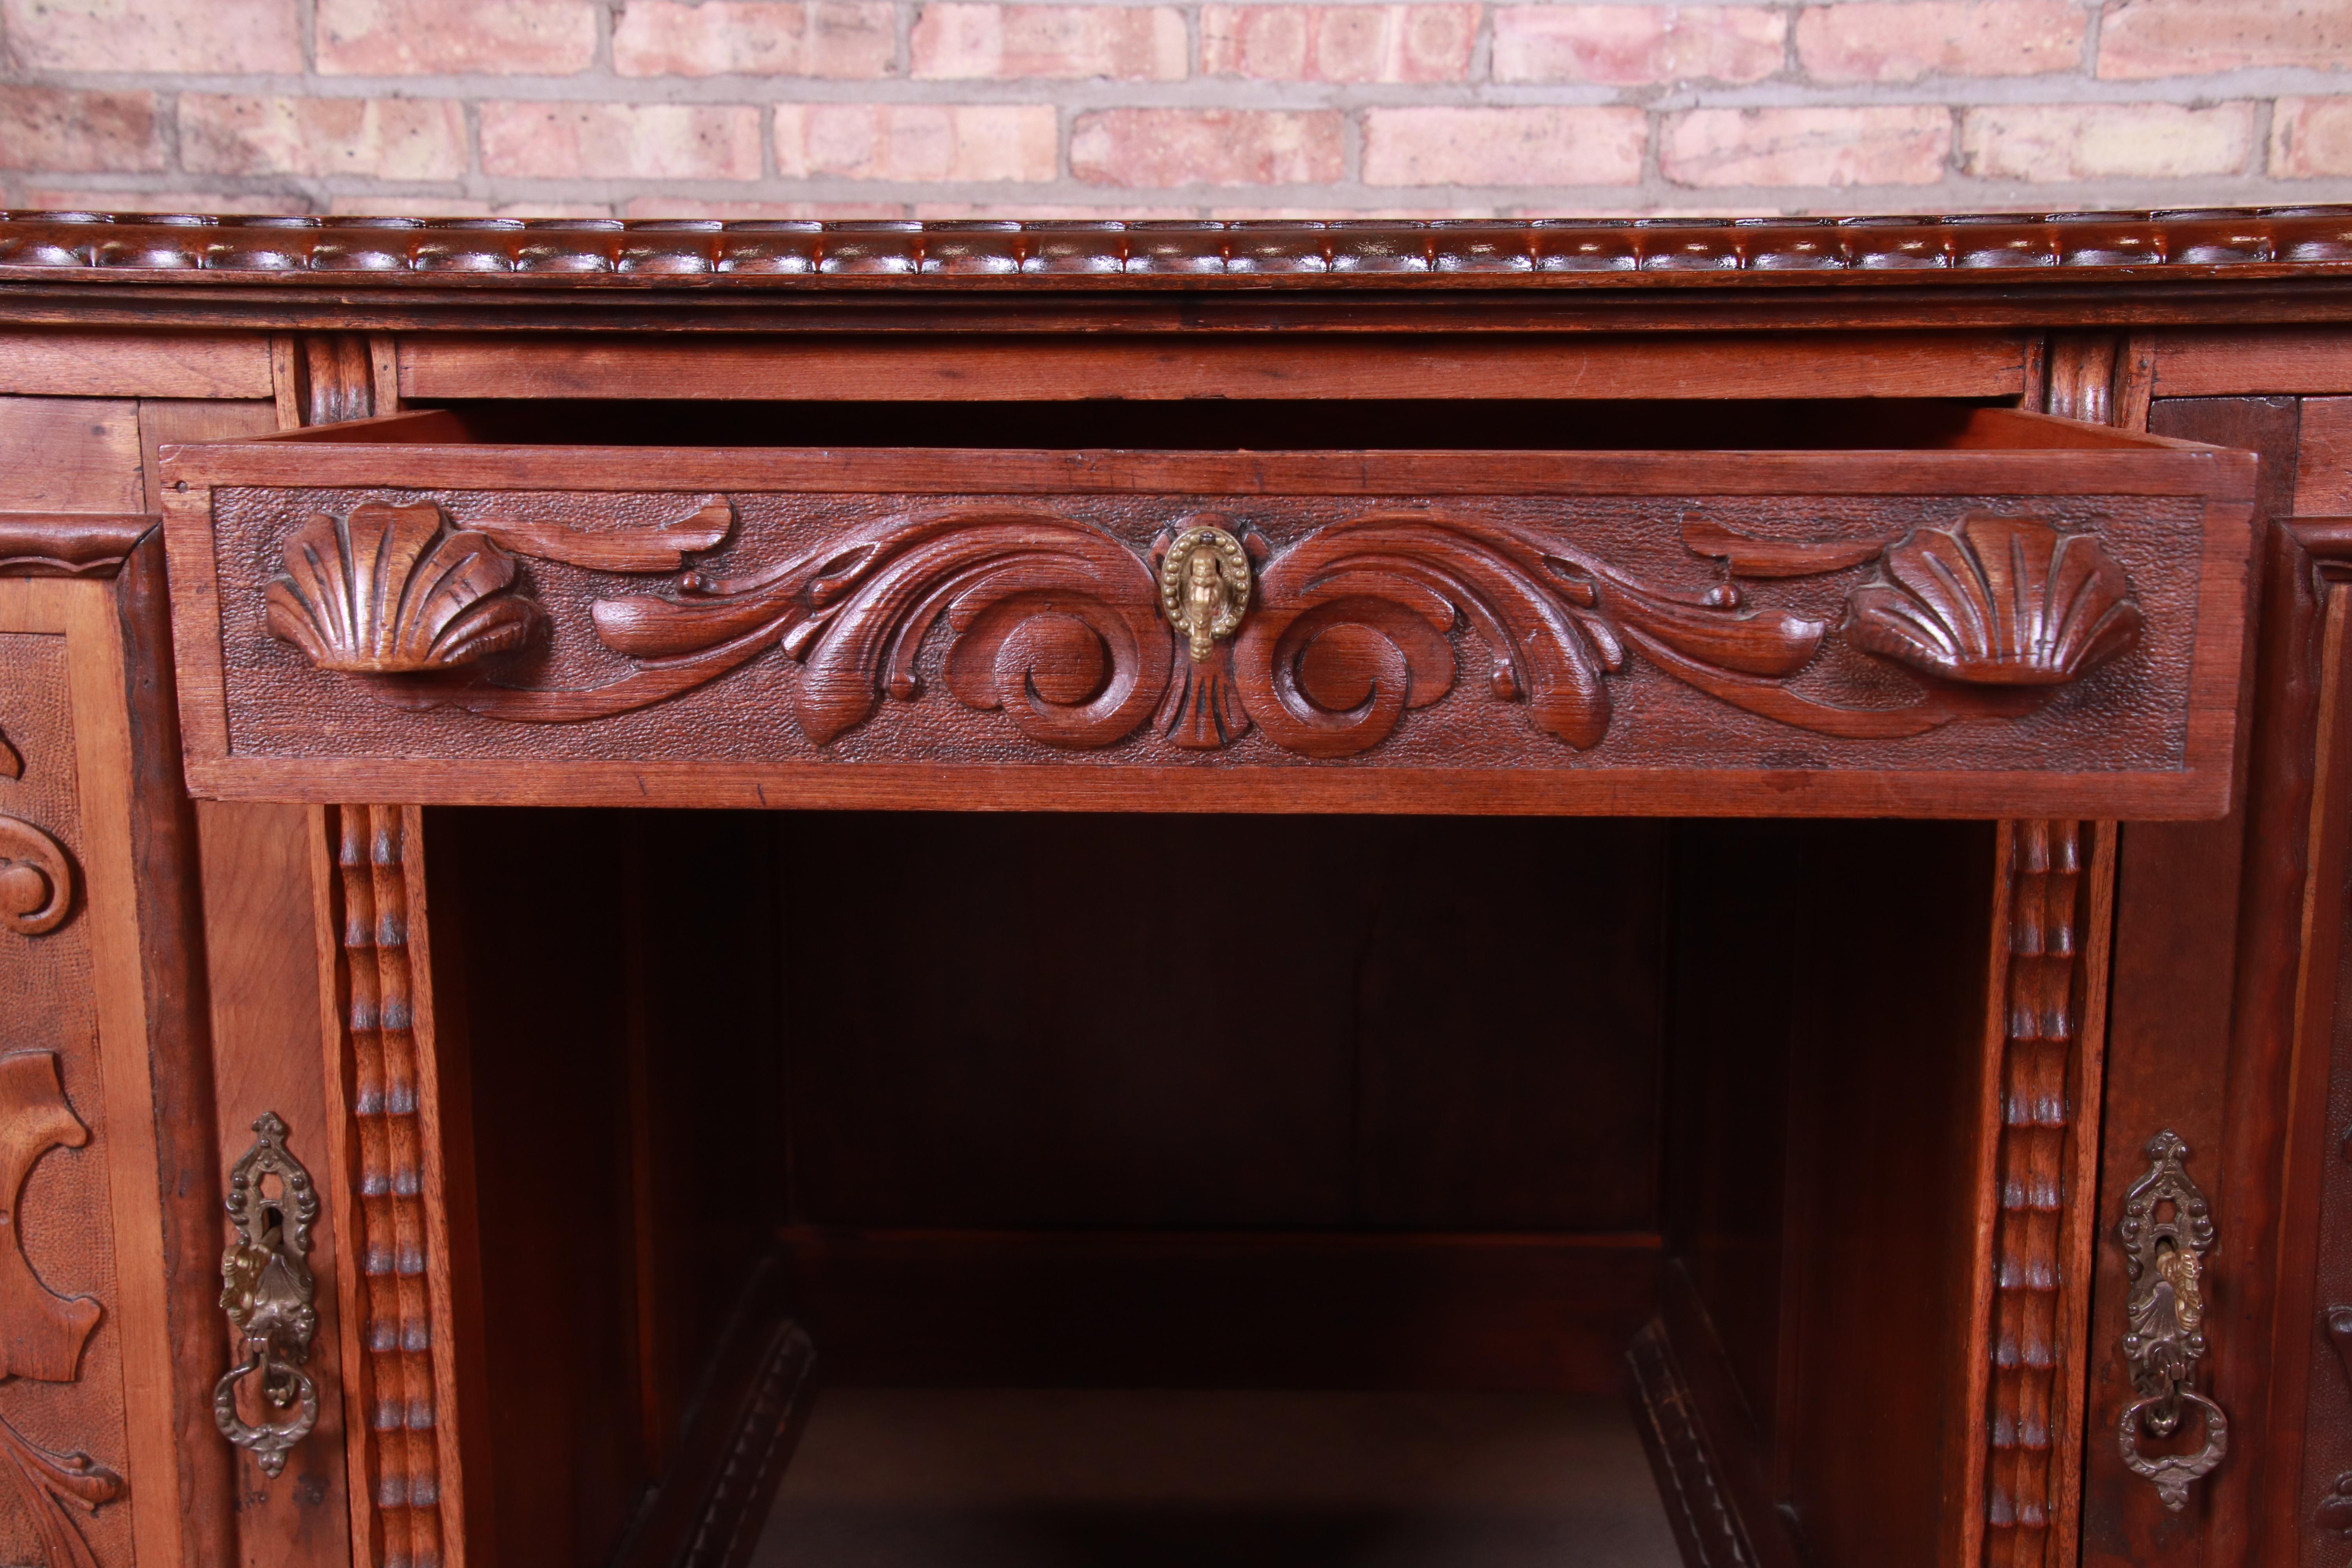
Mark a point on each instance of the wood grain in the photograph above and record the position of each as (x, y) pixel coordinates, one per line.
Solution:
(2257, 361)
(70, 453)
(68, 364)
(2323, 475)
(259, 939)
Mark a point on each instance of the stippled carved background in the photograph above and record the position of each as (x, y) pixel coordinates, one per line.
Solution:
(2127, 715)
(64, 1219)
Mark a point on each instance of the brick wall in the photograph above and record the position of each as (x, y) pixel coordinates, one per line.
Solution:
(954, 108)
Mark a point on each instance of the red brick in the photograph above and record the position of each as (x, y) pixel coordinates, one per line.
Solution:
(1628, 46)
(1017, 211)
(1908, 39)
(1339, 42)
(496, 37)
(820, 211)
(958, 42)
(1716, 147)
(1328, 215)
(621, 141)
(2140, 38)
(57, 128)
(2311, 137)
(226, 36)
(2106, 141)
(1429, 146)
(409, 206)
(48, 199)
(916, 141)
(388, 138)
(754, 38)
(1147, 147)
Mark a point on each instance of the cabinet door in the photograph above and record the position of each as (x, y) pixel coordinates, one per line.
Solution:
(109, 1334)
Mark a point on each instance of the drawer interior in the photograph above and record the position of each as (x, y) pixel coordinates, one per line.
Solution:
(1215, 1188)
(1795, 424)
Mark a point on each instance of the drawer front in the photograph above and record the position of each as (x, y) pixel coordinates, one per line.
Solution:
(1967, 632)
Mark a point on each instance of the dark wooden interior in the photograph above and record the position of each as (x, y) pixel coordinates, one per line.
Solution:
(1504, 1091)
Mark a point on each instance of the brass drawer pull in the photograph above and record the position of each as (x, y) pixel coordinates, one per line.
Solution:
(267, 1290)
(2164, 1232)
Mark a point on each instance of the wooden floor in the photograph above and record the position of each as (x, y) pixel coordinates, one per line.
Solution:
(1057, 1479)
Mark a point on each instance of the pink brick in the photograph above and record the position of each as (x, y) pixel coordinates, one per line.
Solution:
(621, 141)
(408, 206)
(2192, 38)
(239, 36)
(1339, 42)
(1146, 147)
(915, 141)
(1326, 215)
(1629, 46)
(2311, 137)
(987, 43)
(1046, 212)
(458, 207)
(49, 199)
(1909, 39)
(754, 38)
(1715, 147)
(57, 128)
(837, 211)
(1503, 146)
(497, 38)
(2106, 141)
(387, 138)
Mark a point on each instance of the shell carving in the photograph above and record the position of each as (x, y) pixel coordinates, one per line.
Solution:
(386, 592)
(1999, 601)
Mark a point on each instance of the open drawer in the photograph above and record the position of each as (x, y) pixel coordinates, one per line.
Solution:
(1915, 610)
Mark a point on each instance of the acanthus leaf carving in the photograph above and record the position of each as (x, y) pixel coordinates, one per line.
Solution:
(52, 1486)
(1358, 623)
(1999, 601)
(383, 591)
(1065, 629)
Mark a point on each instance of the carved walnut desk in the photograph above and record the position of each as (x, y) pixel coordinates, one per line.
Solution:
(635, 855)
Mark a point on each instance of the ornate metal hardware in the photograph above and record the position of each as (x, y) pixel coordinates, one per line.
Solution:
(1204, 585)
(268, 1294)
(2164, 1232)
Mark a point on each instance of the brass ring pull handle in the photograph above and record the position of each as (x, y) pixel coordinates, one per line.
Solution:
(2172, 1473)
(282, 1385)
(268, 1294)
(2165, 1229)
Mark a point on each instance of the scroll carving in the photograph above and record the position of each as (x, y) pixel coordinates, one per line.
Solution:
(36, 879)
(394, 1371)
(1325, 644)
(42, 1333)
(383, 591)
(1997, 602)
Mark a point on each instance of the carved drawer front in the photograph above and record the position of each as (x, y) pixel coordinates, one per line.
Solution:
(2033, 616)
